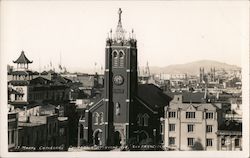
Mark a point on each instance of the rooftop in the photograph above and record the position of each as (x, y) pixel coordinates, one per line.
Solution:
(22, 59)
(198, 107)
(153, 95)
(231, 126)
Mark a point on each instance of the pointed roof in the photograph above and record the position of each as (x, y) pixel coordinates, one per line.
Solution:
(22, 59)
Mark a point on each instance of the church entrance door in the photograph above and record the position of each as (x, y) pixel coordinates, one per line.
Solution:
(97, 137)
(117, 139)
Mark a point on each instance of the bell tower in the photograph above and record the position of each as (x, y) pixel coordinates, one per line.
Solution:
(120, 80)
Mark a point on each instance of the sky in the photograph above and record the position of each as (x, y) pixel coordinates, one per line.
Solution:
(168, 32)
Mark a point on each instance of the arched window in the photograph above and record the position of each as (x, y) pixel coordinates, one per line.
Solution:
(139, 119)
(117, 108)
(115, 58)
(96, 118)
(121, 58)
(101, 118)
(145, 119)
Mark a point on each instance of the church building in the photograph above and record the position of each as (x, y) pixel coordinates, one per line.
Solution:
(127, 112)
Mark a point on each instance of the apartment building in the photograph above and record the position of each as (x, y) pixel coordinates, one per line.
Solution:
(190, 126)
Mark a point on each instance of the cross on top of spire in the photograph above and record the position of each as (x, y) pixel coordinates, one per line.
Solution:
(120, 14)
(120, 32)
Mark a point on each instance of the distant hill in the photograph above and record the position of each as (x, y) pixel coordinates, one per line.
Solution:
(193, 68)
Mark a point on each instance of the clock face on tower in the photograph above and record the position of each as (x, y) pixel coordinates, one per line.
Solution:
(118, 80)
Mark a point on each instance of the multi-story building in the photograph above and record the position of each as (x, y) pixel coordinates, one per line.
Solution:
(190, 126)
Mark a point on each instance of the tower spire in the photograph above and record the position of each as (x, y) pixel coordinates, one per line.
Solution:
(120, 32)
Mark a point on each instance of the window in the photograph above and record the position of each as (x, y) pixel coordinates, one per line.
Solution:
(190, 141)
(209, 128)
(54, 129)
(139, 119)
(190, 114)
(117, 108)
(190, 128)
(237, 142)
(121, 56)
(171, 141)
(171, 114)
(171, 127)
(96, 117)
(223, 142)
(209, 142)
(101, 118)
(12, 136)
(161, 129)
(209, 115)
(9, 134)
(62, 131)
(115, 59)
(145, 117)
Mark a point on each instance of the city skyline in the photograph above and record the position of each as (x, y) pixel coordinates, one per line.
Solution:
(77, 35)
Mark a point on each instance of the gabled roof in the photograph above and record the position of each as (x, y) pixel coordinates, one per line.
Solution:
(44, 73)
(196, 107)
(22, 59)
(153, 96)
(35, 73)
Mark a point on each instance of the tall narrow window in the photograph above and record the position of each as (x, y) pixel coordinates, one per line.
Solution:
(121, 58)
(117, 108)
(223, 142)
(145, 117)
(209, 128)
(209, 142)
(139, 119)
(190, 128)
(237, 142)
(115, 59)
(190, 141)
(96, 117)
(101, 118)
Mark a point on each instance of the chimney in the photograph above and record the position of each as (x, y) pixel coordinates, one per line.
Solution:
(177, 98)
